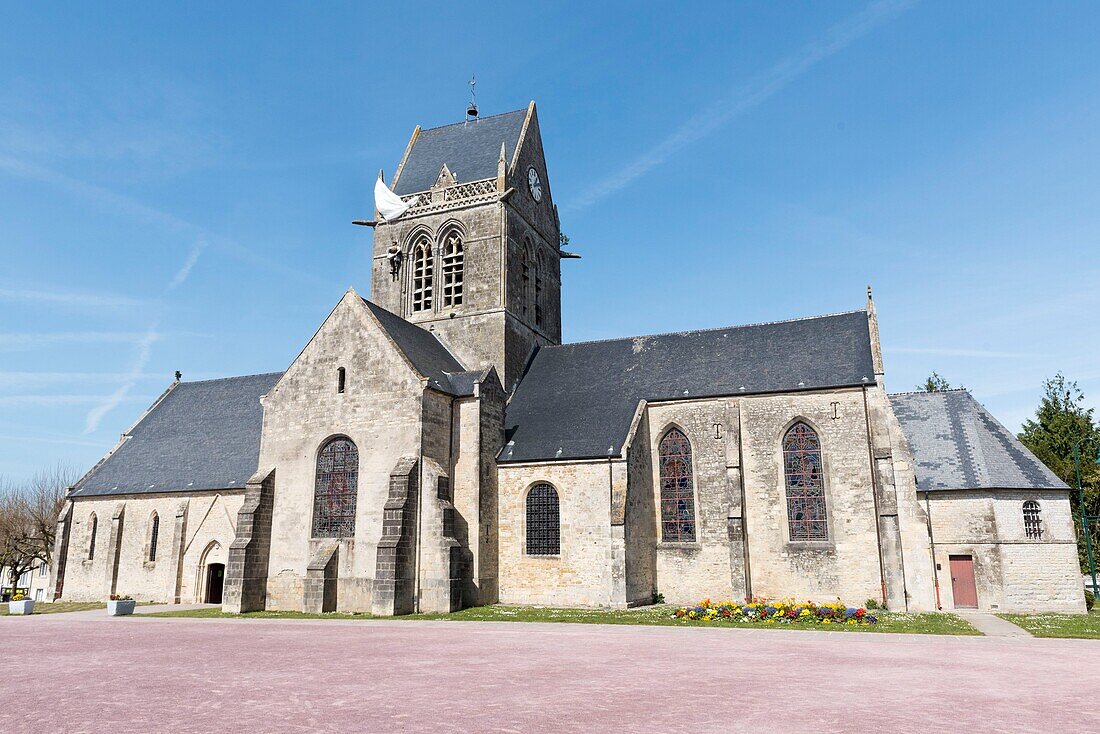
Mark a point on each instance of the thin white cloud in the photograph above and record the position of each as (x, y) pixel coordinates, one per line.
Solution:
(68, 298)
(56, 440)
(23, 380)
(21, 342)
(145, 349)
(948, 352)
(185, 270)
(43, 401)
(746, 97)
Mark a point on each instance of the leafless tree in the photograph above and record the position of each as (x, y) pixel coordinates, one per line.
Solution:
(28, 519)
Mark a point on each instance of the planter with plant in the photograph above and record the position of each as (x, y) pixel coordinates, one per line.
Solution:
(120, 606)
(20, 604)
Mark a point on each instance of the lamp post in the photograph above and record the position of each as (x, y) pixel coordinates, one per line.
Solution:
(1085, 518)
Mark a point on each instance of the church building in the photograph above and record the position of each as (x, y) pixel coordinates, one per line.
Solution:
(436, 446)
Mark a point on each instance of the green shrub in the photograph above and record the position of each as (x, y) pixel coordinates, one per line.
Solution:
(871, 604)
(1090, 599)
(659, 598)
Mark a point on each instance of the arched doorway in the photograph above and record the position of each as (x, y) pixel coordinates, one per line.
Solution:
(215, 579)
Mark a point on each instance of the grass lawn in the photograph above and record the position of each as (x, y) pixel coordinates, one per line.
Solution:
(1058, 625)
(934, 624)
(42, 607)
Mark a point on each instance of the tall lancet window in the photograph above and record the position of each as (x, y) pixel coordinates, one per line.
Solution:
(805, 484)
(336, 489)
(452, 269)
(540, 273)
(677, 492)
(543, 521)
(422, 275)
(93, 525)
(526, 266)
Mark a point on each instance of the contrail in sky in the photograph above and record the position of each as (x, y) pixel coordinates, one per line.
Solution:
(748, 96)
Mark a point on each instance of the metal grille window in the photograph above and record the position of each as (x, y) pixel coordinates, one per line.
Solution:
(154, 532)
(543, 521)
(422, 277)
(452, 269)
(336, 490)
(805, 484)
(1033, 523)
(677, 493)
(91, 537)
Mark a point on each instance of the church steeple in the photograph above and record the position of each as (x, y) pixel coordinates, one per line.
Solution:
(479, 260)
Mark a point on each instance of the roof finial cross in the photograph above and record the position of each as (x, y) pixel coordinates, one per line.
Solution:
(471, 109)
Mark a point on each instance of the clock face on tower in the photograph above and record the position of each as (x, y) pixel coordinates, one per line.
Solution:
(534, 184)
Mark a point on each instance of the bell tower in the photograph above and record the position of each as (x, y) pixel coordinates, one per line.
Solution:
(476, 258)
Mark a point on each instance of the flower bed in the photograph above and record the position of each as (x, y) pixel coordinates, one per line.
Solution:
(767, 611)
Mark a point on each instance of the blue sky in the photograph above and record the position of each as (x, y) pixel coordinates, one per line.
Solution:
(176, 184)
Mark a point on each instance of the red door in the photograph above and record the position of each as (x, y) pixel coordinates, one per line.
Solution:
(963, 588)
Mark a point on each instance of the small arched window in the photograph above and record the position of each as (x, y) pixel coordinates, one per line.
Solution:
(93, 525)
(805, 484)
(336, 489)
(1033, 522)
(452, 269)
(677, 491)
(154, 533)
(422, 275)
(341, 379)
(543, 521)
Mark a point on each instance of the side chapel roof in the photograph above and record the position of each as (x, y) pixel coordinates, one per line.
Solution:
(957, 444)
(577, 401)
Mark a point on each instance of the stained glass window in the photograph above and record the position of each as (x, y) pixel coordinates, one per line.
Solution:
(677, 494)
(452, 269)
(1033, 523)
(805, 484)
(336, 489)
(91, 537)
(422, 276)
(543, 521)
(154, 532)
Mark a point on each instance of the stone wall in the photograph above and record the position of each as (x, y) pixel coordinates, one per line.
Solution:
(1011, 571)
(195, 531)
(581, 574)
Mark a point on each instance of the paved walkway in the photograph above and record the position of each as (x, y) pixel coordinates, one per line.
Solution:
(193, 675)
(992, 625)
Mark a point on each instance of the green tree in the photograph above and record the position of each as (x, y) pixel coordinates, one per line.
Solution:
(1062, 420)
(935, 383)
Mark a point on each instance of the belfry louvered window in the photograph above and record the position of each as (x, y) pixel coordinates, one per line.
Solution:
(677, 491)
(452, 269)
(805, 484)
(543, 521)
(540, 273)
(422, 276)
(525, 278)
(336, 490)
(1033, 522)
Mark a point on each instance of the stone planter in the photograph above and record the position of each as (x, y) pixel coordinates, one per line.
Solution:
(16, 608)
(120, 608)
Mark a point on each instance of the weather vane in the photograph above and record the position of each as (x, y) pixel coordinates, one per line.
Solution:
(471, 109)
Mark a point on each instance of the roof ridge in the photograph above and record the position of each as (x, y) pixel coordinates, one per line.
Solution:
(932, 392)
(474, 122)
(704, 331)
(232, 377)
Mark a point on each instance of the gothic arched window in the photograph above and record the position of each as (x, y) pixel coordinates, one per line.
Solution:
(336, 489)
(677, 492)
(154, 533)
(452, 269)
(94, 525)
(1033, 523)
(422, 275)
(540, 273)
(805, 484)
(543, 521)
(526, 266)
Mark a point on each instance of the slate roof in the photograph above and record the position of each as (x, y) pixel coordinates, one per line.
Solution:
(428, 355)
(470, 150)
(957, 444)
(577, 400)
(201, 435)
